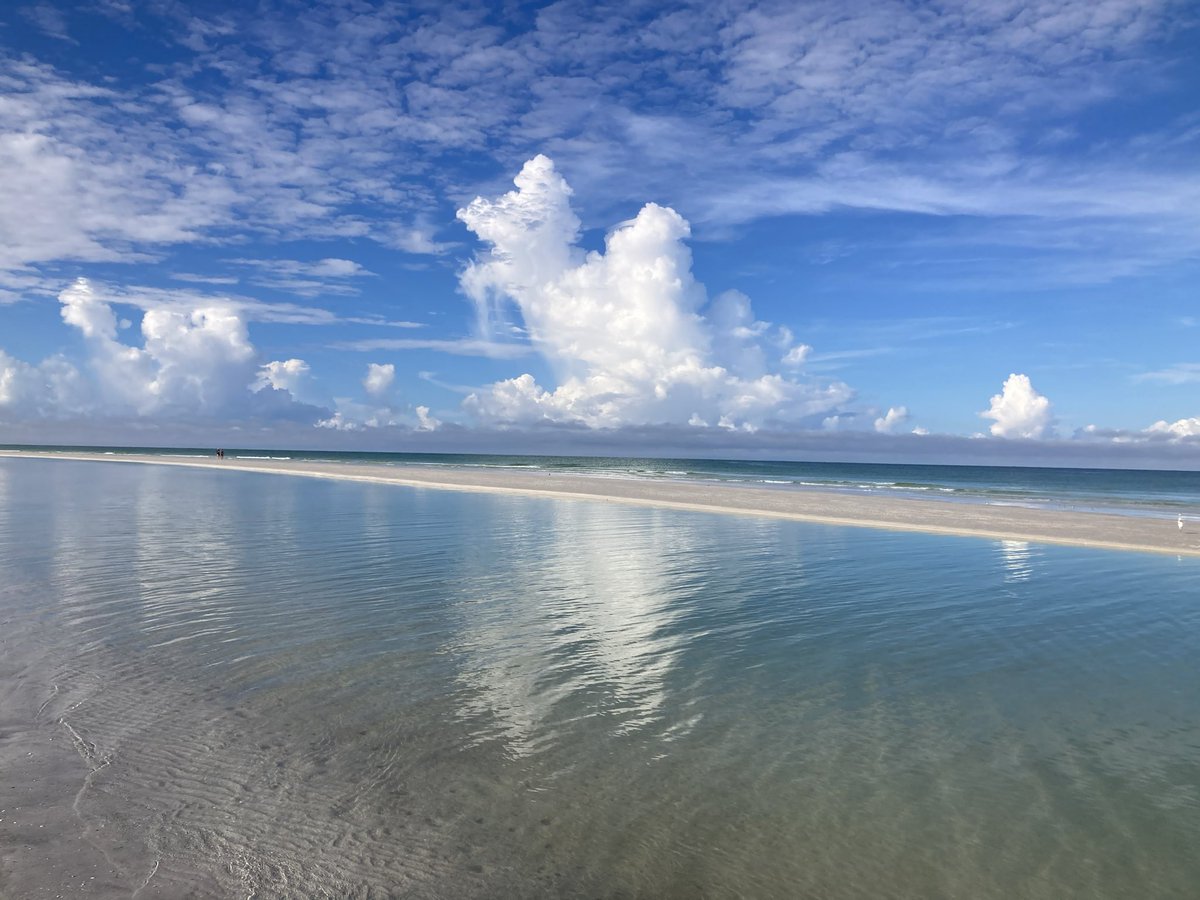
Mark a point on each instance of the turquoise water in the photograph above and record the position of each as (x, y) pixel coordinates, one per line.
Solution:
(1129, 491)
(287, 687)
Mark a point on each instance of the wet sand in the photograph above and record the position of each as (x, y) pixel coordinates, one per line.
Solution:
(978, 520)
(45, 848)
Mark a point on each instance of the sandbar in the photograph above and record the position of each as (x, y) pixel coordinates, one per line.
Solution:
(1148, 534)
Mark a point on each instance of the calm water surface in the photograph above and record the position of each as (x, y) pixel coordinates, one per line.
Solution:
(1162, 494)
(285, 687)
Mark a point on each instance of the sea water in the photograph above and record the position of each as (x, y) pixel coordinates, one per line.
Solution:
(281, 687)
(1165, 494)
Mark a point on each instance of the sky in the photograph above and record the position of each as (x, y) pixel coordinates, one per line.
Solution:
(961, 231)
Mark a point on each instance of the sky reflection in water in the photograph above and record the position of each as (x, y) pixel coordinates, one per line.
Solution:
(579, 698)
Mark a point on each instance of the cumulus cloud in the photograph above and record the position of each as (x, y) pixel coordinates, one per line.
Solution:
(896, 415)
(194, 366)
(426, 422)
(1181, 432)
(1181, 428)
(192, 362)
(380, 411)
(379, 378)
(52, 389)
(339, 421)
(283, 375)
(628, 333)
(1019, 411)
(353, 416)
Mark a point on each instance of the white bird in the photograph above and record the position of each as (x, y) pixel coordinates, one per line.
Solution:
(1181, 521)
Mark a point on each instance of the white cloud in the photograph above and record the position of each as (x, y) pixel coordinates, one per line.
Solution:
(833, 423)
(379, 378)
(49, 20)
(336, 268)
(796, 356)
(426, 422)
(283, 375)
(93, 317)
(75, 186)
(196, 278)
(1183, 432)
(338, 422)
(456, 347)
(330, 267)
(1019, 411)
(329, 121)
(247, 308)
(192, 362)
(626, 332)
(306, 279)
(418, 240)
(1180, 373)
(52, 389)
(352, 415)
(929, 110)
(1181, 428)
(896, 415)
(320, 125)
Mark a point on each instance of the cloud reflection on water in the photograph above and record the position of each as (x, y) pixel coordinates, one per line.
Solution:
(577, 623)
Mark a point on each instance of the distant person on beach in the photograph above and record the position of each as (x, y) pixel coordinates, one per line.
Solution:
(220, 454)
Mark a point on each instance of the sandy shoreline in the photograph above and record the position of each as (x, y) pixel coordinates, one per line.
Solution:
(1084, 529)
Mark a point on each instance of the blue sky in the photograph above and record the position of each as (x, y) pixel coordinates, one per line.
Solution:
(955, 231)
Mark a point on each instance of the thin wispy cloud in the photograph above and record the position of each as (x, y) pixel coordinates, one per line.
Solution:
(379, 322)
(937, 109)
(1180, 373)
(456, 347)
(196, 278)
(49, 20)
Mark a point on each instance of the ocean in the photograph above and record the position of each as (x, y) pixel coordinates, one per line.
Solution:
(223, 683)
(1126, 491)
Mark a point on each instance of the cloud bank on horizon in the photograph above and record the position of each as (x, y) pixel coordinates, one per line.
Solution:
(846, 222)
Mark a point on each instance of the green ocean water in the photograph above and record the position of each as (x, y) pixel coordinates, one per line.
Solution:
(282, 687)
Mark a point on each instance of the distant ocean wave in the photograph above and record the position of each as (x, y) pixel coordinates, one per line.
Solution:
(1126, 492)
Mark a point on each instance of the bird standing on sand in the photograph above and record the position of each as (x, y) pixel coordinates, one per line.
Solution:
(1181, 521)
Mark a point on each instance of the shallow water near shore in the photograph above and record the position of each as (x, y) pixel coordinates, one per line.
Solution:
(269, 686)
(1130, 492)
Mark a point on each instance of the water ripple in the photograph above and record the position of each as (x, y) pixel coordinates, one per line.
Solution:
(290, 688)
